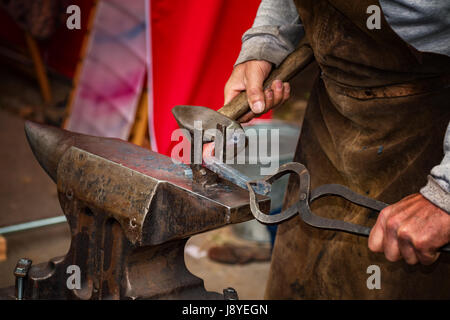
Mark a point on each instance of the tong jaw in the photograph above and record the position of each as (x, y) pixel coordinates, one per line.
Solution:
(292, 167)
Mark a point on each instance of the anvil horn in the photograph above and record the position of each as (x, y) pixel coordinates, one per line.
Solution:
(48, 145)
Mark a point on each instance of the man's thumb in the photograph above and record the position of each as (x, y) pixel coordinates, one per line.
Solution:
(229, 95)
(255, 79)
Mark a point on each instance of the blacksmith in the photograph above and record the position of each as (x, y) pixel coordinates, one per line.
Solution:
(375, 122)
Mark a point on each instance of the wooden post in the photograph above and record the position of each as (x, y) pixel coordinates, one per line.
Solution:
(2, 248)
(140, 126)
(39, 67)
(83, 51)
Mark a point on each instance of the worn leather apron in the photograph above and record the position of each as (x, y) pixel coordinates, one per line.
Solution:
(375, 122)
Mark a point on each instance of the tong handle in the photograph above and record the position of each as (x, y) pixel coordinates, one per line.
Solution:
(348, 194)
(303, 209)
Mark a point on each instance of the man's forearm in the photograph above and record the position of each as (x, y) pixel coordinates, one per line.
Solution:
(437, 189)
(275, 33)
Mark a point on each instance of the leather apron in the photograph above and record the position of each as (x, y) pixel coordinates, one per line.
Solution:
(375, 122)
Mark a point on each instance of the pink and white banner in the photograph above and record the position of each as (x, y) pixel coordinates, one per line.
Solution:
(113, 71)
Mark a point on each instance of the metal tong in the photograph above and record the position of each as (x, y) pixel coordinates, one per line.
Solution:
(306, 197)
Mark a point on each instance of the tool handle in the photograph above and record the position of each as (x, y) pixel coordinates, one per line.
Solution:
(293, 64)
(363, 201)
(303, 209)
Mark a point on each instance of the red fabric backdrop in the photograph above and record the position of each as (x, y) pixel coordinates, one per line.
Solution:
(195, 44)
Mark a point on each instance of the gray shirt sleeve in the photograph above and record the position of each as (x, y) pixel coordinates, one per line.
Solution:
(424, 24)
(277, 30)
(275, 33)
(437, 189)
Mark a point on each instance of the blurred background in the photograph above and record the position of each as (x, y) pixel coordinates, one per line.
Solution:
(119, 75)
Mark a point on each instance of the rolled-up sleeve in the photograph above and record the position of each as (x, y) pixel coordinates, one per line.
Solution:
(437, 189)
(275, 33)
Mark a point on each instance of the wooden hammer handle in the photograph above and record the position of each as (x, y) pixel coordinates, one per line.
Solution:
(293, 64)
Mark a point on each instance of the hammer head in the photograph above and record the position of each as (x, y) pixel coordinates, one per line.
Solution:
(209, 118)
(191, 117)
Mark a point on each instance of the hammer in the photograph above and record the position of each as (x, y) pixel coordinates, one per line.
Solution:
(226, 117)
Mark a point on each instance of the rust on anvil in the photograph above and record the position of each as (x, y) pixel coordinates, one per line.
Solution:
(130, 212)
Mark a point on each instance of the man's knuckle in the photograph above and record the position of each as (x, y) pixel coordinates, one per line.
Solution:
(385, 213)
(254, 92)
(374, 247)
(427, 258)
(404, 233)
(411, 261)
(421, 243)
(391, 257)
(392, 223)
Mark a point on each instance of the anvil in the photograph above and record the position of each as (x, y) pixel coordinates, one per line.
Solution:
(130, 212)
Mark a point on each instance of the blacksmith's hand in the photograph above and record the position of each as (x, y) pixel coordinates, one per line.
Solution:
(250, 76)
(412, 229)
